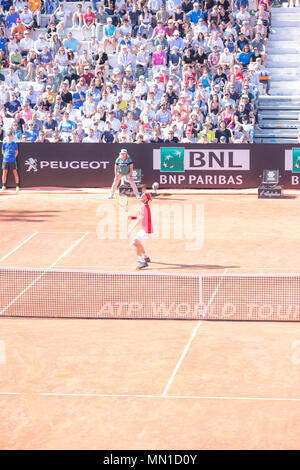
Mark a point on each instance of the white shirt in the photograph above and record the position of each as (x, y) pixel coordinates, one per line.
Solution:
(115, 124)
(201, 29)
(229, 31)
(141, 88)
(89, 107)
(62, 15)
(243, 16)
(33, 97)
(154, 5)
(39, 44)
(216, 42)
(12, 81)
(125, 58)
(26, 17)
(226, 58)
(90, 140)
(11, 46)
(173, 4)
(25, 45)
(19, 4)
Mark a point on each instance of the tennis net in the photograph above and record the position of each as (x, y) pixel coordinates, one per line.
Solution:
(91, 294)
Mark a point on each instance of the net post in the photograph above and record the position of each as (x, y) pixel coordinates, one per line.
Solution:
(200, 285)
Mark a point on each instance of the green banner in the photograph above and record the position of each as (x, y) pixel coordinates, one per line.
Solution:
(172, 159)
(296, 160)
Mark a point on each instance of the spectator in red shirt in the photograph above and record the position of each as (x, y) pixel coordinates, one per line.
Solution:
(89, 23)
(87, 75)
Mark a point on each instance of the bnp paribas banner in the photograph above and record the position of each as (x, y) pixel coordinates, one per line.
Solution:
(211, 167)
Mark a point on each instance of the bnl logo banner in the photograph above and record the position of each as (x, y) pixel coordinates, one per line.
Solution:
(179, 159)
(174, 160)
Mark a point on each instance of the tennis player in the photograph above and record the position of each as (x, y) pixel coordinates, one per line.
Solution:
(145, 222)
(123, 167)
(10, 152)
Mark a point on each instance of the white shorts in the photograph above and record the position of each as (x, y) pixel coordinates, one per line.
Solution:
(141, 236)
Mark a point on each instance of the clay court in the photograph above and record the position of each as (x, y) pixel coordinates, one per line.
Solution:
(149, 384)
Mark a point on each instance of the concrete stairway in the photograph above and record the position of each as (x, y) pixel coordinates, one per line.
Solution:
(278, 113)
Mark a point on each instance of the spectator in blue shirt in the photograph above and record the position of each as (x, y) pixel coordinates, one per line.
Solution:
(195, 14)
(72, 43)
(245, 57)
(11, 17)
(243, 3)
(108, 134)
(78, 97)
(3, 46)
(31, 133)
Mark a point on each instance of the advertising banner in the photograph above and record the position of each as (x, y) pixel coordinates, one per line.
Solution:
(181, 166)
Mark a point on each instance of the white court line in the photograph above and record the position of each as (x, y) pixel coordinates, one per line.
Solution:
(19, 246)
(68, 232)
(191, 338)
(67, 251)
(161, 397)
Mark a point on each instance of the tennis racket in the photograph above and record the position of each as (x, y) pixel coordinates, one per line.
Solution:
(122, 200)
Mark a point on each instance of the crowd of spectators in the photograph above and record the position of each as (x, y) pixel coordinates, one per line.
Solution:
(132, 70)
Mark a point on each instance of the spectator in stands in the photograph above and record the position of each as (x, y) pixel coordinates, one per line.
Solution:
(27, 19)
(77, 19)
(35, 7)
(89, 23)
(191, 43)
(50, 6)
(11, 18)
(145, 22)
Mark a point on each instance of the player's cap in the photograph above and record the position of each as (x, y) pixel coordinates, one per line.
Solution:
(206, 124)
(9, 133)
(123, 151)
(259, 22)
(223, 137)
(109, 19)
